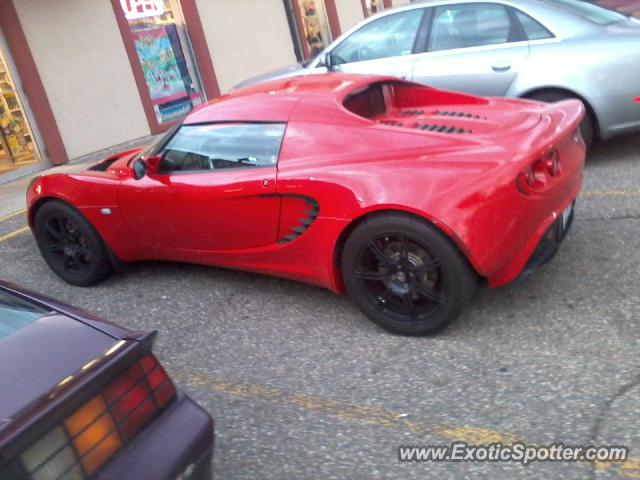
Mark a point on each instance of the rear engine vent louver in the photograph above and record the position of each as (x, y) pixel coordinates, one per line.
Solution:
(412, 112)
(390, 123)
(445, 113)
(443, 129)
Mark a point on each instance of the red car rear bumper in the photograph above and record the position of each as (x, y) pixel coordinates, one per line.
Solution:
(533, 218)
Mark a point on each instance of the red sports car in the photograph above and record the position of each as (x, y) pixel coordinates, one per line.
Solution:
(398, 194)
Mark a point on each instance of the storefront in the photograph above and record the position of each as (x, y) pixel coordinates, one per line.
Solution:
(91, 75)
(17, 143)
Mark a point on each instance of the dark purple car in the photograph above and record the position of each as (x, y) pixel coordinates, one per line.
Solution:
(81, 398)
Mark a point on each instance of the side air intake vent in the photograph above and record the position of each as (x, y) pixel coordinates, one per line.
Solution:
(443, 129)
(309, 212)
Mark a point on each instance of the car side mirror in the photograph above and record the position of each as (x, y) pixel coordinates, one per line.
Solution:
(146, 166)
(326, 61)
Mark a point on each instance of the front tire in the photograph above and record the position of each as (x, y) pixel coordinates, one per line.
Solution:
(70, 245)
(405, 275)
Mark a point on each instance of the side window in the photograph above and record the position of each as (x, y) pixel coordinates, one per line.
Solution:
(470, 25)
(219, 146)
(533, 29)
(390, 36)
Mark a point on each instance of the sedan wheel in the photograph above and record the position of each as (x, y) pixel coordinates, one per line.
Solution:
(406, 276)
(70, 245)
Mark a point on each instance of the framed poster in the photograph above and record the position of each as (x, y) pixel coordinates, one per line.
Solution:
(159, 65)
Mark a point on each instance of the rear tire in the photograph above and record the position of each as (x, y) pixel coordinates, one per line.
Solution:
(405, 275)
(587, 126)
(70, 245)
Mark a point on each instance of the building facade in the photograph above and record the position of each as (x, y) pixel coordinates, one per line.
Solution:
(79, 76)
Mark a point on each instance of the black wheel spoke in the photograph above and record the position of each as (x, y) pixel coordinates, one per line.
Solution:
(66, 261)
(379, 254)
(430, 294)
(427, 267)
(56, 247)
(408, 301)
(54, 232)
(404, 249)
(373, 276)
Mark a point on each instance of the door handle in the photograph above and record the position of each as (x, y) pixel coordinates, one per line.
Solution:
(501, 66)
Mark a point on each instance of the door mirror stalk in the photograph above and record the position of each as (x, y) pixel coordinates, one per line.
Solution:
(326, 61)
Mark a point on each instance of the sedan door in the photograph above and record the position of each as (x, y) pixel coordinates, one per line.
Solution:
(476, 48)
(385, 46)
(215, 190)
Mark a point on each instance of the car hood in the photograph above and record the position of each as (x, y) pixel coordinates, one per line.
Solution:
(290, 71)
(36, 358)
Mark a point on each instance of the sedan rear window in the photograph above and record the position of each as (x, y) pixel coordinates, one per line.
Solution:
(591, 12)
(16, 314)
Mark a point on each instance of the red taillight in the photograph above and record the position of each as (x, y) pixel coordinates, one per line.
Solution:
(552, 163)
(536, 176)
(637, 100)
(137, 394)
(90, 436)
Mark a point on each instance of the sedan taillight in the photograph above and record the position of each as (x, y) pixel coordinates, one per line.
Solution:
(90, 436)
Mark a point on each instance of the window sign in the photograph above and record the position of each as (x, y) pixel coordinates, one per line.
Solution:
(134, 9)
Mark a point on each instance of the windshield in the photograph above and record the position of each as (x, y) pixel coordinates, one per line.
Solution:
(16, 314)
(591, 12)
(157, 144)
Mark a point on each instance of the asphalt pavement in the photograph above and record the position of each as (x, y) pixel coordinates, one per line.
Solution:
(302, 386)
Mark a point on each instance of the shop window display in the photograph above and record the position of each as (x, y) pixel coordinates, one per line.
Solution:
(164, 51)
(373, 6)
(316, 26)
(17, 148)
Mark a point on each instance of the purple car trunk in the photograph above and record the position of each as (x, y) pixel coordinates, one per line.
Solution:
(39, 356)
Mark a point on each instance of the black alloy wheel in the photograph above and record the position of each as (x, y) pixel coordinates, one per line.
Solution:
(70, 245)
(406, 276)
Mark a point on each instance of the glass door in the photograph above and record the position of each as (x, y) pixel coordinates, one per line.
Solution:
(17, 147)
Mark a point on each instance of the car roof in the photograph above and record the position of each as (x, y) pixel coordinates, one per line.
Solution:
(561, 21)
(275, 101)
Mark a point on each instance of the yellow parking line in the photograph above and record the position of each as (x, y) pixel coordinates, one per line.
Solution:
(371, 415)
(612, 193)
(13, 215)
(13, 234)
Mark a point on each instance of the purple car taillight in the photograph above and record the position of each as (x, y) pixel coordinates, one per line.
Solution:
(88, 438)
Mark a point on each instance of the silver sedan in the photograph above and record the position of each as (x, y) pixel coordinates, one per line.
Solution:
(539, 49)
